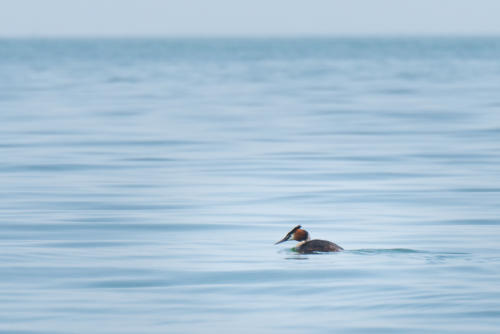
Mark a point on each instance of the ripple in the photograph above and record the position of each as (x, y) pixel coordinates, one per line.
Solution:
(60, 167)
(387, 251)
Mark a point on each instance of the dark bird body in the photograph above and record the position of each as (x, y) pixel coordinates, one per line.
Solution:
(316, 245)
(306, 245)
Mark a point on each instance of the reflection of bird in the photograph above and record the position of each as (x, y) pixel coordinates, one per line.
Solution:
(306, 245)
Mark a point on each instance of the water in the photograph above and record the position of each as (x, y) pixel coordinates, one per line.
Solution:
(144, 183)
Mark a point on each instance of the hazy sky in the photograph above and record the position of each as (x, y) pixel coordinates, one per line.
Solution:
(251, 17)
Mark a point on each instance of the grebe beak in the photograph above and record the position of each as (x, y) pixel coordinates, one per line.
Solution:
(286, 238)
(289, 235)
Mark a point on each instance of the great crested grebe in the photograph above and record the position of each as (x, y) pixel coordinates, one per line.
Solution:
(306, 245)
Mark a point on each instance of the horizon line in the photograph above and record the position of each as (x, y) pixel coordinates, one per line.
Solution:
(253, 36)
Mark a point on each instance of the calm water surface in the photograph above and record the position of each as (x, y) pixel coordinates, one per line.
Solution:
(143, 184)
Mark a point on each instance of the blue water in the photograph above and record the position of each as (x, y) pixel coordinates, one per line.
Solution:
(144, 182)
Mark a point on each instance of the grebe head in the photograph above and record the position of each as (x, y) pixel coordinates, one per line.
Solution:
(296, 234)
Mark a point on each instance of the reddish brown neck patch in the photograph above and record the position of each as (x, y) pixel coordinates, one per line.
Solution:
(300, 235)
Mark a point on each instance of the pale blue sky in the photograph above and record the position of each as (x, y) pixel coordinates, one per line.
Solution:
(247, 18)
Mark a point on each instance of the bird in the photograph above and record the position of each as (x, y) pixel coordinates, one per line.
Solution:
(306, 245)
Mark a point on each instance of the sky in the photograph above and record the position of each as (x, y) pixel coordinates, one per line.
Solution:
(171, 18)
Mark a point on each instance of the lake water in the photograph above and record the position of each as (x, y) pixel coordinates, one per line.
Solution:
(144, 182)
